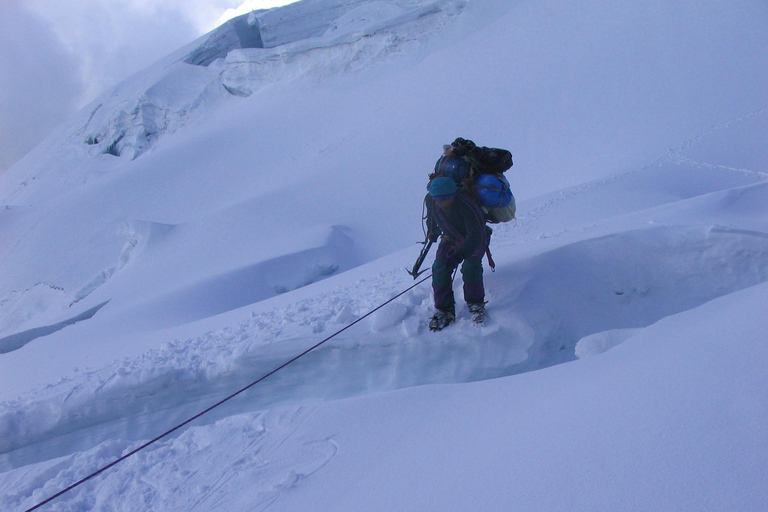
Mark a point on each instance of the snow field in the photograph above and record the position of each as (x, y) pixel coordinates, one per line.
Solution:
(227, 237)
(623, 280)
(604, 434)
(622, 274)
(261, 461)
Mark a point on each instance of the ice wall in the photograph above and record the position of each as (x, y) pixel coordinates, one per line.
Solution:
(240, 32)
(312, 38)
(295, 22)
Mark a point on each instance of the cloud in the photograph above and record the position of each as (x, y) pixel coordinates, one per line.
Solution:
(39, 81)
(251, 5)
(115, 39)
(58, 55)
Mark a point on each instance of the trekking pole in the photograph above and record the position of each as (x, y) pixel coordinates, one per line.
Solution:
(420, 260)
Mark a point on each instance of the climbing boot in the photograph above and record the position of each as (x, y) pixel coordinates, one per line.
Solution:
(441, 320)
(477, 311)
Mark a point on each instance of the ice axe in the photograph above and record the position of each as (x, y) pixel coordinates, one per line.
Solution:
(422, 255)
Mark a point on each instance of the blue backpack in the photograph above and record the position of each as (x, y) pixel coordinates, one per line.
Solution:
(494, 194)
(479, 171)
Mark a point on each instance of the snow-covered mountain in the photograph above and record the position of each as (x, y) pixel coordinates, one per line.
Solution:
(259, 189)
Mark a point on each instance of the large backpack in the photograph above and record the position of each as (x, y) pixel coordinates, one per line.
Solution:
(495, 196)
(479, 170)
(481, 159)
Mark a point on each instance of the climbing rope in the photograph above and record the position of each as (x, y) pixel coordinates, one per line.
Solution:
(222, 401)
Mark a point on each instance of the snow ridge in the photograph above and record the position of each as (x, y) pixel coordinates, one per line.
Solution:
(644, 275)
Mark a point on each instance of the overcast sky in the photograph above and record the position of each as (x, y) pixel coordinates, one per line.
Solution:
(57, 55)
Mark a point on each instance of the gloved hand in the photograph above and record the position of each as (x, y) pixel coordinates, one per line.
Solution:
(453, 257)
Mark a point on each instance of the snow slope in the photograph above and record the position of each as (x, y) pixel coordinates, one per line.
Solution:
(201, 224)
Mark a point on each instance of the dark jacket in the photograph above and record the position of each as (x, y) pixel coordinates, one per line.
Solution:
(463, 223)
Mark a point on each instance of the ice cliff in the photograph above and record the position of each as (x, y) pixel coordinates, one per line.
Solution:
(254, 50)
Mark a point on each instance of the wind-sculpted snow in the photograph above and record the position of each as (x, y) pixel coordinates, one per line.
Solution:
(541, 308)
(334, 251)
(183, 375)
(24, 311)
(16, 305)
(607, 279)
(577, 291)
(262, 458)
(16, 341)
